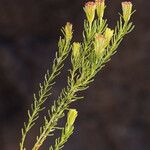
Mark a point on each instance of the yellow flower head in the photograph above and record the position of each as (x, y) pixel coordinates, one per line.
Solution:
(108, 34)
(76, 49)
(68, 31)
(100, 7)
(127, 10)
(72, 114)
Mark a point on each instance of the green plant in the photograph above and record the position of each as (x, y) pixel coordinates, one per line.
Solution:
(87, 59)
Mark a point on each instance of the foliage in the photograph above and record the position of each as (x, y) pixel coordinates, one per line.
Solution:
(87, 59)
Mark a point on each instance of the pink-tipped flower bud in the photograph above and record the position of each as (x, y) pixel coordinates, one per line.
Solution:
(100, 8)
(127, 10)
(89, 9)
(100, 44)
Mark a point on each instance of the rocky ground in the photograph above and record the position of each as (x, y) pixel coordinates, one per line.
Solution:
(116, 112)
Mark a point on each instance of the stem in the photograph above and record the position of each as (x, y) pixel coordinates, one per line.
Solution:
(60, 109)
(42, 96)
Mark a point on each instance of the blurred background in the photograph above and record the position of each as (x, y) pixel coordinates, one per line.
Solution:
(115, 114)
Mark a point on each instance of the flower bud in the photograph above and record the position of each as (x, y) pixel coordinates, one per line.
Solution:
(108, 34)
(100, 43)
(127, 10)
(72, 114)
(89, 9)
(76, 49)
(100, 7)
(68, 31)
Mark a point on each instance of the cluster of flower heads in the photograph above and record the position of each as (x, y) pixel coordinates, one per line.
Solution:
(91, 10)
(91, 7)
(99, 6)
(101, 40)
